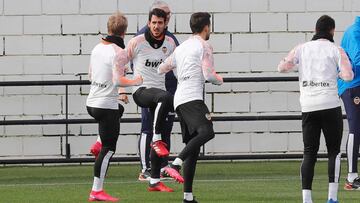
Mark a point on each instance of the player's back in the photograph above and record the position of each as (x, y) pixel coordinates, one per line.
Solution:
(103, 93)
(318, 72)
(191, 80)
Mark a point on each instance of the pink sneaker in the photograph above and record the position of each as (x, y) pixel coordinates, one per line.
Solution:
(96, 148)
(174, 172)
(101, 196)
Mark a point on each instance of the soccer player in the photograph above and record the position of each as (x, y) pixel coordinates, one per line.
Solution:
(193, 60)
(320, 63)
(107, 73)
(147, 51)
(350, 94)
(146, 118)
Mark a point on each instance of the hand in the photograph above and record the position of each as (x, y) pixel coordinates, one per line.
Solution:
(219, 81)
(138, 80)
(124, 98)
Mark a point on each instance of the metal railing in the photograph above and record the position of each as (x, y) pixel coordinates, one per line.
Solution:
(67, 121)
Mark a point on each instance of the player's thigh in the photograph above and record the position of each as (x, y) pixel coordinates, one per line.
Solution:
(332, 126)
(109, 128)
(144, 97)
(311, 128)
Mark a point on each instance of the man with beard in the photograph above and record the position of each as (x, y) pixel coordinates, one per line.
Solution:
(146, 118)
(147, 51)
(320, 63)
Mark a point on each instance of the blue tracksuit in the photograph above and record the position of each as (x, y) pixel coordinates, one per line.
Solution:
(350, 93)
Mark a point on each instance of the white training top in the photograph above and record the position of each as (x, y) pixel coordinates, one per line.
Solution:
(193, 60)
(320, 62)
(146, 60)
(106, 67)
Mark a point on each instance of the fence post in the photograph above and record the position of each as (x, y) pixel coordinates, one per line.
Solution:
(67, 145)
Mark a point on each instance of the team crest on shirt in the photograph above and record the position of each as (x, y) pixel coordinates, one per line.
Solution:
(164, 50)
(357, 100)
(208, 116)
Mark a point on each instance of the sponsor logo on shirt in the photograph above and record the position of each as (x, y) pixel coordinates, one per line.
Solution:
(97, 84)
(315, 84)
(152, 63)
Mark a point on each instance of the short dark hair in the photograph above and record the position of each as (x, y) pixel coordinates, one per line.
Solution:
(157, 12)
(325, 24)
(198, 21)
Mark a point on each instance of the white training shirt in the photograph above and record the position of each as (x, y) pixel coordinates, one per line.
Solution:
(107, 64)
(146, 60)
(320, 62)
(194, 65)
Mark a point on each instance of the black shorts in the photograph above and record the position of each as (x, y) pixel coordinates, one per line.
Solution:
(192, 115)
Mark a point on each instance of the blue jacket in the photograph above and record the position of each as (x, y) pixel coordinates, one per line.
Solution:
(351, 44)
(170, 79)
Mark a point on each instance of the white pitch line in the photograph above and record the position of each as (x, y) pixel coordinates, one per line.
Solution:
(135, 182)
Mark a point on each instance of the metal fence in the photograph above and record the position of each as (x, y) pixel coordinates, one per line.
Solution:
(67, 122)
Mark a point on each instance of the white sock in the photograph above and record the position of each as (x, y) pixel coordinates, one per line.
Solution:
(188, 196)
(177, 162)
(351, 176)
(98, 139)
(333, 190)
(306, 196)
(154, 180)
(156, 137)
(98, 184)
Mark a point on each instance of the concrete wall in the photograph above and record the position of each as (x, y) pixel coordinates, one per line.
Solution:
(52, 40)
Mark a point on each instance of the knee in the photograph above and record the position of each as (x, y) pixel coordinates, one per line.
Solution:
(121, 110)
(167, 99)
(106, 149)
(206, 131)
(310, 158)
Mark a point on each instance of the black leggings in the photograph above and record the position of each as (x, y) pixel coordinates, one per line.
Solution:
(160, 103)
(330, 122)
(191, 152)
(109, 128)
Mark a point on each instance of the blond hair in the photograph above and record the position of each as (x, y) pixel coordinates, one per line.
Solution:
(117, 24)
